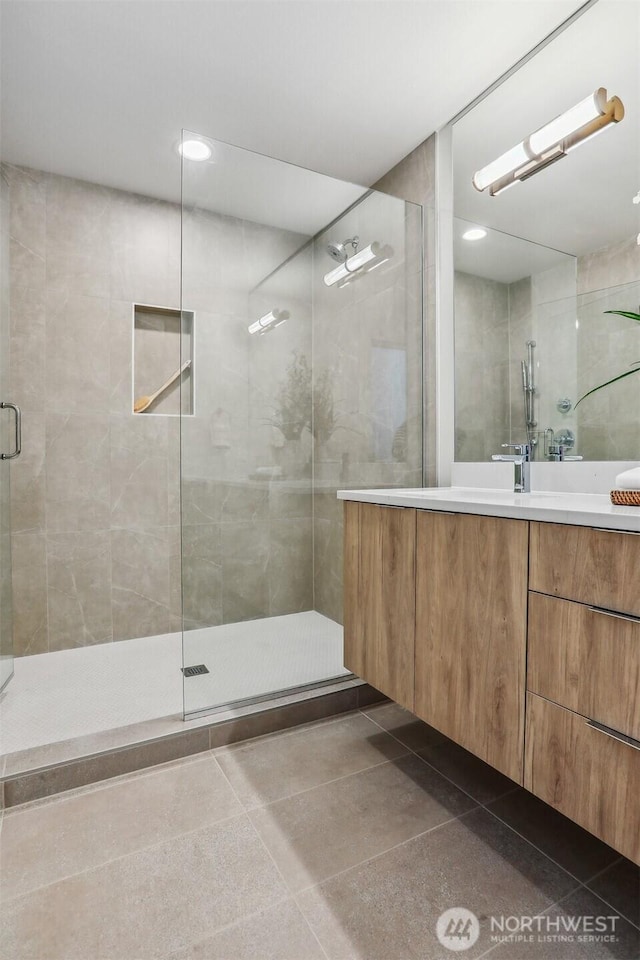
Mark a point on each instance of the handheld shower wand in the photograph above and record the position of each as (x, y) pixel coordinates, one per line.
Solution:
(528, 392)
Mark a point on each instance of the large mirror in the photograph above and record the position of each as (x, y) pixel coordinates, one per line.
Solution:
(538, 266)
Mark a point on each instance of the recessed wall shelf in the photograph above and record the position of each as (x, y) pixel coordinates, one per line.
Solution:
(157, 356)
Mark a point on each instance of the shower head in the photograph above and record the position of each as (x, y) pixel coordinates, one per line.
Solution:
(338, 251)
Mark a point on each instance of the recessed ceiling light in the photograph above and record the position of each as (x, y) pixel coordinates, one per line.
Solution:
(195, 150)
(476, 233)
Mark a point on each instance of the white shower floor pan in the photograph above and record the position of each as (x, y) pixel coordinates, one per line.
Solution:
(73, 693)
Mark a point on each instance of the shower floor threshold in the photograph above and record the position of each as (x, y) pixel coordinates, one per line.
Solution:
(96, 690)
(42, 772)
(303, 688)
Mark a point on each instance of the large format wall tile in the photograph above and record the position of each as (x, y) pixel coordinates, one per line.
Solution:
(139, 471)
(27, 346)
(77, 487)
(79, 589)
(77, 344)
(202, 574)
(140, 576)
(28, 477)
(29, 577)
(290, 566)
(245, 566)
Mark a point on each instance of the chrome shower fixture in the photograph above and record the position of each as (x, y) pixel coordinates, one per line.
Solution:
(529, 394)
(338, 251)
(269, 322)
(361, 261)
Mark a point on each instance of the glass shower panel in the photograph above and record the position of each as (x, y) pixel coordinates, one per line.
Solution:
(301, 386)
(6, 445)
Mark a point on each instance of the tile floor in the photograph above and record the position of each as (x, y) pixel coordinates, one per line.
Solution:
(338, 840)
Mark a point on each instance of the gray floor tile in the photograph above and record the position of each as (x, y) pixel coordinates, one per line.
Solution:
(405, 726)
(577, 944)
(67, 835)
(320, 832)
(579, 852)
(388, 908)
(280, 766)
(149, 904)
(620, 886)
(466, 770)
(279, 933)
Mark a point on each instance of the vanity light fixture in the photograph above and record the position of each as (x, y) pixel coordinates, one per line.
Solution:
(194, 150)
(269, 322)
(475, 233)
(551, 142)
(360, 262)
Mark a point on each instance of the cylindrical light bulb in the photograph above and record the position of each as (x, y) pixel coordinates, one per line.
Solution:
(569, 122)
(511, 160)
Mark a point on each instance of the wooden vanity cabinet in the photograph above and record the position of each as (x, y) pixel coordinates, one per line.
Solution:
(380, 593)
(471, 606)
(582, 738)
(455, 615)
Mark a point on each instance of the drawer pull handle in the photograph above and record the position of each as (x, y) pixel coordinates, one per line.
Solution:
(618, 616)
(625, 533)
(614, 734)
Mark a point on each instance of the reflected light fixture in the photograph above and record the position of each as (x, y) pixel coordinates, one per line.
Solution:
(476, 233)
(551, 142)
(194, 150)
(360, 262)
(269, 322)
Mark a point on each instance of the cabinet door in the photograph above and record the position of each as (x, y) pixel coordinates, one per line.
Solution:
(471, 607)
(585, 773)
(586, 659)
(600, 567)
(380, 547)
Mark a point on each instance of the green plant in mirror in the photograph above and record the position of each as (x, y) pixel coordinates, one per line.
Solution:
(635, 366)
(291, 413)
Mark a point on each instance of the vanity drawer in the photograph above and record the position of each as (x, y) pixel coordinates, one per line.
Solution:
(584, 773)
(587, 660)
(599, 567)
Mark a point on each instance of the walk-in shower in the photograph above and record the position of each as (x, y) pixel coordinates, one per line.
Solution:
(282, 421)
(194, 393)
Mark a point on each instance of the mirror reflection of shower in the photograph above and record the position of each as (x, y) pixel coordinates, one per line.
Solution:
(529, 396)
(356, 263)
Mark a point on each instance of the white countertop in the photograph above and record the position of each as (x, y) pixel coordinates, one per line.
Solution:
(581, 509)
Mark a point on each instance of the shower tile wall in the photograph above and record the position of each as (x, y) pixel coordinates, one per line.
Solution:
(246, 538)
(570, 358)
(481, 366)
(375, 319)
(95, 492)
(95, 499)
(608, 422)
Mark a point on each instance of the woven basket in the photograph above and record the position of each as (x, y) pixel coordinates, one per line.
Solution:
(626, 498)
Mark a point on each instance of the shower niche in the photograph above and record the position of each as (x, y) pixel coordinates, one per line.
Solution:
(163, 361)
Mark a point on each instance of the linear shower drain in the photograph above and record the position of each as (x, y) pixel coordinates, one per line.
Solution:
(195, 671)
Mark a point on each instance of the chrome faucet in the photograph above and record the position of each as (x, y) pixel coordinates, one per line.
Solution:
(521, 461)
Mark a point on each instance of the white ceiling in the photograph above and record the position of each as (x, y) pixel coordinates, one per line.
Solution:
(501, 256)
(584, 201)
(100, 90)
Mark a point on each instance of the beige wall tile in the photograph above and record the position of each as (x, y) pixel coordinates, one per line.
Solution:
(29, 576)
(79, 589)
(140, 581)
(77, 478)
